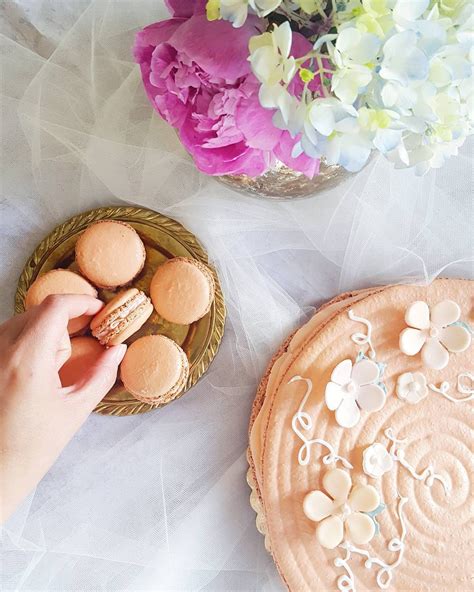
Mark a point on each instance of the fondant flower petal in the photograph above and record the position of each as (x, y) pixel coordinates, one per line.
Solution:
(347, 414)
(411, 341)
(317, 506)
(365, 372)
(444, 313)
(455, 338)
(371, 397)
(333, 395)
(405, 379)
(338, 484)
(364, 498)
(330, 532)
(417, 315)
(434, 355)
(342, 372)
(360, 528)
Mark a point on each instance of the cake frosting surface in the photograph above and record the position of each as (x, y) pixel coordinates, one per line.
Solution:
(350, 416)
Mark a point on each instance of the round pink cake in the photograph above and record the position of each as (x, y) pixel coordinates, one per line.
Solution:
(361, 444)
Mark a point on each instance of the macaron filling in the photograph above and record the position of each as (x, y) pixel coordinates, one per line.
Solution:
(118, 319)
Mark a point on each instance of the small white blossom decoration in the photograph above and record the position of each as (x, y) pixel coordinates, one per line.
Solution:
(376, 460)
(352, 388)
(412, 387)
(434, 333)
(341, 513)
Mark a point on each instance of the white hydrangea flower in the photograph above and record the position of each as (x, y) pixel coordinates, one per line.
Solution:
(270, 56)
(402, 83)
(236, 11)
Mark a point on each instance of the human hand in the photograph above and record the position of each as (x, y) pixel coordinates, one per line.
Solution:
(38, 416)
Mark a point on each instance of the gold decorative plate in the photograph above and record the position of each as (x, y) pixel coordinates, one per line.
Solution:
(164, 239)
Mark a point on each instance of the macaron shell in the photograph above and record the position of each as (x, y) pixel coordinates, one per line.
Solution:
(154, 369)
(182, 290)
(61, 281)
(84, 354)
(110, 253)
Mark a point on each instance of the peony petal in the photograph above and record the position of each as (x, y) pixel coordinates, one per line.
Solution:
(444, 313)
(338, 484)
(342, 372)
(330, 532)
(302, 163)
(256, 124)
(364, 498)
(434, 355)
(417, 315)
(317, 506)
(333, 395)
(360, 528)
(365, 372)
(203, 40)
(186, 8)
(371, 397)
(348, 414)
(455, 338)
(411, 341)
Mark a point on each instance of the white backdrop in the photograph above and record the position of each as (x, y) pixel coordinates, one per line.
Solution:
(159, 502)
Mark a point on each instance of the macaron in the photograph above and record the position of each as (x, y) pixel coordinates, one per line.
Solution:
(60, 281)
(121, 317)
(155, 369)
(182, 290)
(84, 354)
(110, 253)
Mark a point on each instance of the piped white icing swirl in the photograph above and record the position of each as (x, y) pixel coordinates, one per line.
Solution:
(303, 421)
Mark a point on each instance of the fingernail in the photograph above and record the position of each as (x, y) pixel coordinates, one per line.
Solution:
(118, 353)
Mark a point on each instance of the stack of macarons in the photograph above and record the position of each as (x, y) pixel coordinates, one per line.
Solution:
(110, 255)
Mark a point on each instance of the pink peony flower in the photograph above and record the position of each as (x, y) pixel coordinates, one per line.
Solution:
(197, 76)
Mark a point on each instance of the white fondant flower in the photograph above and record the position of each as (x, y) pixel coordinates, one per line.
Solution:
(433, 333)
(342, 510)
(412, 387)
(376, 460)
(354, 387)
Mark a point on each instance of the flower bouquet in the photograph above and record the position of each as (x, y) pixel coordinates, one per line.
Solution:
(251, 84)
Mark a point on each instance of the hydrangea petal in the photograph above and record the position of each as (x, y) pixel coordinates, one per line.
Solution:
(338, 484)
(333, 395)
(417, 315)
(317, 506)
(348, 413)
(434, 355)
(360, 528)
(364, 498)
(409, 10)
(365, 372)
(342, 372)
(455, 338)
(371, 397)
(330, 532)
(444, 313)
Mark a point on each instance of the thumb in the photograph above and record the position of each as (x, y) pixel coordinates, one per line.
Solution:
(100, 377)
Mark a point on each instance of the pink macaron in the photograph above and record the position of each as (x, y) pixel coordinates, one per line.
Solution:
(155, 369)
(123, 316)
(60, 281)
(110, 253)
(182, 290)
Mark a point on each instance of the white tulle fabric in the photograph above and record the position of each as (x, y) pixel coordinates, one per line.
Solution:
(159, 502)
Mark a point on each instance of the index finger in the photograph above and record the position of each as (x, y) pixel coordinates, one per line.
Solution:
(54, 313)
